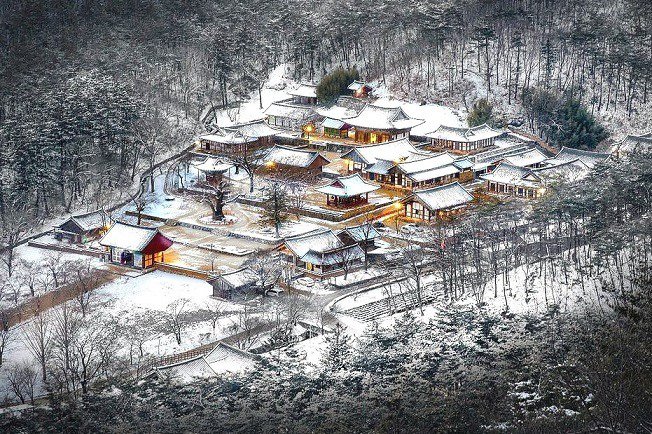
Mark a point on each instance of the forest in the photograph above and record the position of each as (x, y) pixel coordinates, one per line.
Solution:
(464, 370)
(94, 92)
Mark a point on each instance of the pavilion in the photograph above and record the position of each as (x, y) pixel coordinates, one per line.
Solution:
(347, 191)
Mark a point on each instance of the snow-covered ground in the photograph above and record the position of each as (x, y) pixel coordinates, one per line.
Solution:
(139, 305)
(275, 89)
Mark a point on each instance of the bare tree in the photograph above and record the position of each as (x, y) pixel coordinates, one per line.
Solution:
(6, 334)
(215, 197)
(297, 195)
(63, 367)
(267, 268)
(22, 381)
(245, 327)
(249, 157)
(37, 336)
(415, 266)
(86, 278)
(84, 349)
(14, 224)
(29, 276)
(174, 317)
(57, 268)
(276, 206)
(140, 204)
(216, 311)
(347, 257)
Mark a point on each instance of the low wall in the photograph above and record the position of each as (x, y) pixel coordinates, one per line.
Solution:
(321, 215)
(67, 249)
(183, 271)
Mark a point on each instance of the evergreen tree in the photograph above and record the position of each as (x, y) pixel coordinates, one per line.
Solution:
(575, 127)
(338, 350)
(481, 113)
(335, 84)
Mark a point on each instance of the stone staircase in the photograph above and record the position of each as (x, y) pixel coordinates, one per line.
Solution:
(391, 305)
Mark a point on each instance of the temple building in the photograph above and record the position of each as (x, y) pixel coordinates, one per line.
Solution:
(590, 158)
(436, 203)
(335, 128)
(135, 246)
(286, 161)
(437, 169)
(304, 94)
(237, 138)
(374, 161)
(400, 164)
(360, 89)
(347, 191)
(375, 124)
(83, 228)
(463, 139)
(291, 116)
(235, 284)
(212, 170)
(321, 254)
(512, 180)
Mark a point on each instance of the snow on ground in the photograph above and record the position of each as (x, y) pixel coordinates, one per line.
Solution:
(275, 89)
(357, 277)
(288, 229)
(29, 260)
(317, 287)
(153, 291)
(140, 302)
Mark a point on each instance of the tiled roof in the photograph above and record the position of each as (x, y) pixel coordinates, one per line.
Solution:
(444, 196)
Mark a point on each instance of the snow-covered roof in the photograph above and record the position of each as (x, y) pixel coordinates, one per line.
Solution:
(493, 155)
(292, 111)
(225, 359)
(383, 118)
(464, 135)
(92, 220)
(433, 167)
(333, 123)
(362, 232)
(435, 173)
(333, 256)
(444, 196)
(430, 162)
(381, 167)
(633, 143)
(568, 171)
(253, 129)
(510, 174)
(129, 237)
(400, 150)
(187, 371)
(226, 137)
(292, 157)
(304, 90)
(347, 186)
(211, 164)
(357, 85)
(589, 158)
(525, 158)
(238, 278)
(319, 241)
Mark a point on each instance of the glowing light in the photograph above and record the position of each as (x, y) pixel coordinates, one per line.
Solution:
(398, 205)
(269, 164)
